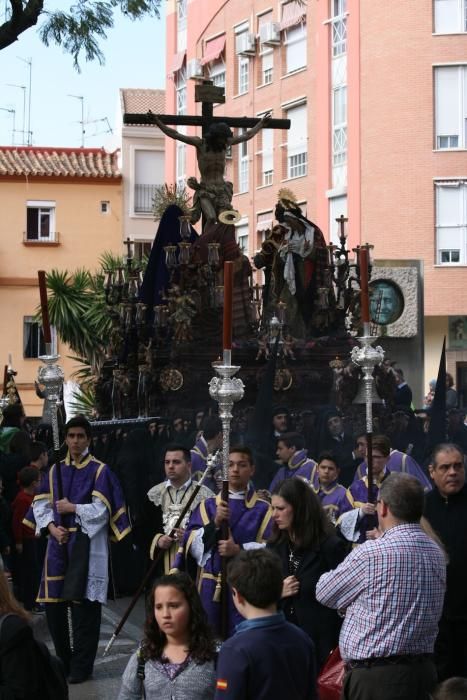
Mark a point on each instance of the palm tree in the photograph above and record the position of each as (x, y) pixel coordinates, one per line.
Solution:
(78, 310)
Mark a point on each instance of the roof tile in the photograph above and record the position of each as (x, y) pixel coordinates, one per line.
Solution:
(60, 162)
(140, 101)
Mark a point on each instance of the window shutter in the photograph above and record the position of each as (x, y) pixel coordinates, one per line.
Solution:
(298, 129)
(447, 16)
(447, 101)
(268, 149)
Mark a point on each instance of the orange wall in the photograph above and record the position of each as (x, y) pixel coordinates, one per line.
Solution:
(84, 234)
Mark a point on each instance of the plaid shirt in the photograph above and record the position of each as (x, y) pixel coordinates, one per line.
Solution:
(392, 590)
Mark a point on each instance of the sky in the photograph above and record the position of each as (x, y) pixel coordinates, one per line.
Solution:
(134, 57)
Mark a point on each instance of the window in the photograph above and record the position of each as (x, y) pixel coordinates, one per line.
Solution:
(295, 47)
(33, 339)
(451, 106)
(181, 24)
(105, 207)
(339, 27)
(142, 249)
(339, 125)
(242, 238)
(217, 74)
(337, 208)
(450, 16)
(180, 87)
(451, 222)
(40, 221)
(181, 14)
(180, 165)
(267, 67)
(243, 74)
(297, 156)
(267, 165)
(149, 173)
(243, 180)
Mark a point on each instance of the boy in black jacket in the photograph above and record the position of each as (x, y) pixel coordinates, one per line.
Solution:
(268, 658)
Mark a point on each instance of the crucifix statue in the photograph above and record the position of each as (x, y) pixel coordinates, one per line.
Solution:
(213, 194)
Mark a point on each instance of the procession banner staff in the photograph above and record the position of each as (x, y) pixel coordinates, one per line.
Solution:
(48, 354)
(363, 259)
(227, 355)
(150, 572)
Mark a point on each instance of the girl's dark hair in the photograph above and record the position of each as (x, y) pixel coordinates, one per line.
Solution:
(310, 525)
(8, 603)
(201, 644)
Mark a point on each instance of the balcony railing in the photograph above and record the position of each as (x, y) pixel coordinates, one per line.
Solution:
(34, 238)
(144, 197)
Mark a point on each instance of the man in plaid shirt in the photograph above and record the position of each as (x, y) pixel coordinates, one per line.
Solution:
(392, 591)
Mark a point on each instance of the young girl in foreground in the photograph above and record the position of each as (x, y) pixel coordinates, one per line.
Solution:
(177, 653)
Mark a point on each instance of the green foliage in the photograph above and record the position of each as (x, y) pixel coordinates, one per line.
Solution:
(72, 309)
(84, 401)
(78, 311)
(78, 29)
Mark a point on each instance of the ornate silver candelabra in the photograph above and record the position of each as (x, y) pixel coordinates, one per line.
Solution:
(226, 390)
(367, 357)
(51, 377)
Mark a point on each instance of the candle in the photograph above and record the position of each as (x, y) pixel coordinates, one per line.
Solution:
(228, 290)
(44, 307)
(364, 297)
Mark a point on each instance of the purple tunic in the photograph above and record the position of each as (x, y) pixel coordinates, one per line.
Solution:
(199, 455)
(298, 465)
(81, 483)
(250, 521)
(400, 462)
(333, 499)
(357, 495)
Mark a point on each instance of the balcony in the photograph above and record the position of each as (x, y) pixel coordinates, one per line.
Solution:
(144, 197)
(51, 238)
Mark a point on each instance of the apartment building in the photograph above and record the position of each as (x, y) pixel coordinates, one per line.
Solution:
(377, 97)
(142, 166)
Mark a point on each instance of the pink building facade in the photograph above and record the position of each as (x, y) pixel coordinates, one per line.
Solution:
(377, 96)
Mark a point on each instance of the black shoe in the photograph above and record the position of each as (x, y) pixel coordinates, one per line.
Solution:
(78, 679)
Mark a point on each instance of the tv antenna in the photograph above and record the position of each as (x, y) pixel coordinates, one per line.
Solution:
(83, 130)
(84, 122)
(28, 62)
(11, 111)
(23, 130)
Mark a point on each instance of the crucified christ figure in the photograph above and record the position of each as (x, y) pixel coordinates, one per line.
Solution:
(213, 194)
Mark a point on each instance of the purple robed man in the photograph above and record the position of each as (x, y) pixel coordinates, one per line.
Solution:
(362, 519)
(333, 497)
(249, 518)
(400, 462)
(294, 457)
(207, 445)
(75, 574)
(324, 482)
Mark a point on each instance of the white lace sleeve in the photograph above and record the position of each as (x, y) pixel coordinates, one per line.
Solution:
(43, 513)
(92, 517)
(197, 549)
(348, 525)
(253, 545)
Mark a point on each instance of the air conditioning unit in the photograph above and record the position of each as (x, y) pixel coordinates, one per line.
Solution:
(269, 34)
(245, 44)
(194, 69)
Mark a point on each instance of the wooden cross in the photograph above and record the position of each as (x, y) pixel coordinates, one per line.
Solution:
(128, 242)
(209, 95)
(341, 221)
